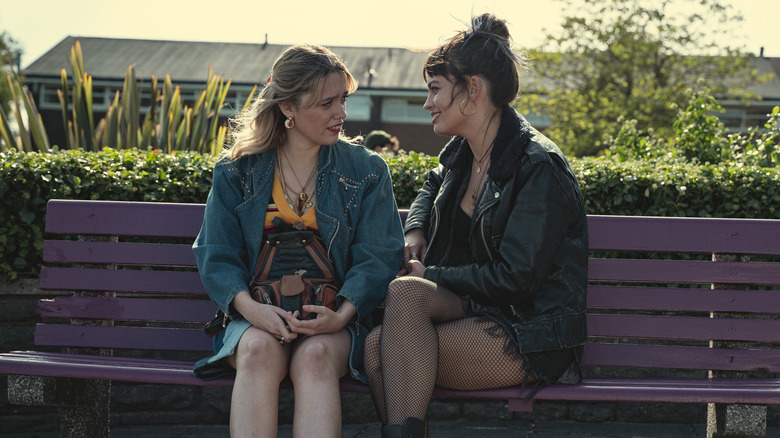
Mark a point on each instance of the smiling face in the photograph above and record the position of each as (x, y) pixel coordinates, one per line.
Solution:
(446, 117)
(318, 119)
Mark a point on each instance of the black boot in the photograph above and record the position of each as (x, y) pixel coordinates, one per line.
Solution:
(412, 428)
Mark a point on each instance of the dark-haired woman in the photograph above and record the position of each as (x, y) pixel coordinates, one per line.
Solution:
(496, 246)
(290, 162)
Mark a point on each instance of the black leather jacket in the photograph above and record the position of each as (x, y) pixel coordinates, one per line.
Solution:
(529, 237)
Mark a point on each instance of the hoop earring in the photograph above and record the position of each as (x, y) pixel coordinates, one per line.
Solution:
(289, 123)
(461, 107)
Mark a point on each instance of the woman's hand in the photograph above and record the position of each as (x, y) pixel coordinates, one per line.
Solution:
(414, 253)
(327, 321)
(266, 317)
(415, 268)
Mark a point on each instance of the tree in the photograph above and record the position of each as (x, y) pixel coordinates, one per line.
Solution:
(10, 52)
(633, 59)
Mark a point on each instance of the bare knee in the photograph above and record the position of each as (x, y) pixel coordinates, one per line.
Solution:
(314, 360)
(259, 353)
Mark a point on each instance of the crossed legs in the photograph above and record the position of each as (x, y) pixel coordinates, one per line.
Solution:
(427, 340)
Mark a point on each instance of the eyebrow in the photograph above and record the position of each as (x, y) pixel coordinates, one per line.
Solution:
(329, 98)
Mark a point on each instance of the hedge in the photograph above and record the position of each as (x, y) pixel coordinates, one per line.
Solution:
(29, 180)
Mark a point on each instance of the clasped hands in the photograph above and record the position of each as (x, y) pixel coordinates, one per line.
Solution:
(285, 326)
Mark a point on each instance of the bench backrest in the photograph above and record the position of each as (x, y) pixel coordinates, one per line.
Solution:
(679, 293)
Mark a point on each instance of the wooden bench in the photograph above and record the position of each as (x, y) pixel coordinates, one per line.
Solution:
(680, 310)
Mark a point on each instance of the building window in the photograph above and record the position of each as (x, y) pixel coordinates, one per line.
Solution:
(405, 110)
(49, 98)
(359, 108)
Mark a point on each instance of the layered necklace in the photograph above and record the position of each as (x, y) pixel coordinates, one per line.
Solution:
(478, 169)
(479, 162)
(303, 199)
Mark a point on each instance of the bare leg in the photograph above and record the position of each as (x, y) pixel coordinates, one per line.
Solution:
(317, 364)
(261, 364)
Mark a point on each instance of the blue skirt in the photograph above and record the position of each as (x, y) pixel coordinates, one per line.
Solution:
(225, 343)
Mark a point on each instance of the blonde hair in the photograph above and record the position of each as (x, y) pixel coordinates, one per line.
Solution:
(299, 70)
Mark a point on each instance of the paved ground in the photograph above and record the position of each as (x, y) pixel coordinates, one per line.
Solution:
(442, 429)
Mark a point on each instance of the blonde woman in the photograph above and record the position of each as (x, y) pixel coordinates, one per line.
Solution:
(289, 160)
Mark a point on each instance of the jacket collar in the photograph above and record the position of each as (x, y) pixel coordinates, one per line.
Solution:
(513, 135)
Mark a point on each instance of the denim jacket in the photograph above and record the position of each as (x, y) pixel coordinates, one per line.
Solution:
(528, 236)
(354, 206)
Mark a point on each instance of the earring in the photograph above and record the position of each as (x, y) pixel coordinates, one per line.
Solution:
(289, 123)
(463, 105)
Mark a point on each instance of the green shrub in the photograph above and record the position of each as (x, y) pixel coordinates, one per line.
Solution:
(409, 171)
(678, 188)
(630, 187)
(29, 180)
(759, 147)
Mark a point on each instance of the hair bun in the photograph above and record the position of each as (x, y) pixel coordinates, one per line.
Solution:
(488, 23)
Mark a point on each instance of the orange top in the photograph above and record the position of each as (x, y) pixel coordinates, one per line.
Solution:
(278, 207)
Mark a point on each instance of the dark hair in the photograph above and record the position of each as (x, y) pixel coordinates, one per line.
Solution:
(484, 50)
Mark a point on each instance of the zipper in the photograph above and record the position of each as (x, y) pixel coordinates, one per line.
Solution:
(332, 238)
(435, 215)
(484, 239)
(346, 184)
(482, 226)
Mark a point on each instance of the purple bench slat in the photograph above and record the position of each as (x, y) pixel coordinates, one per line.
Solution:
(128, 309)
(687, 358)
(675, 234)
(123, 218)
(121, 253)
(105, 367)
(145, 338)
(756, 391)
(121, 280)
(683, 271)
(683, 299)
(683, 328)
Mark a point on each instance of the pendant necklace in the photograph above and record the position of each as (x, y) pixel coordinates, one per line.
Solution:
(304, 199)
(473, 202)
(479, 162)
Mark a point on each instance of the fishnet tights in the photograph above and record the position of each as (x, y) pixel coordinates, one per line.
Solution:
(426, 340)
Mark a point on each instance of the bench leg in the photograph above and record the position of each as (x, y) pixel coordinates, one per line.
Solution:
(735, 421)
(83, 404)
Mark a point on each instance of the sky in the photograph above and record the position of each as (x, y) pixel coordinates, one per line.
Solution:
(38, 25)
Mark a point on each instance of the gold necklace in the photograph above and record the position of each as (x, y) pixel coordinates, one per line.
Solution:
(473, 202)
(304, 199)
(304, 202)
(479, 162)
